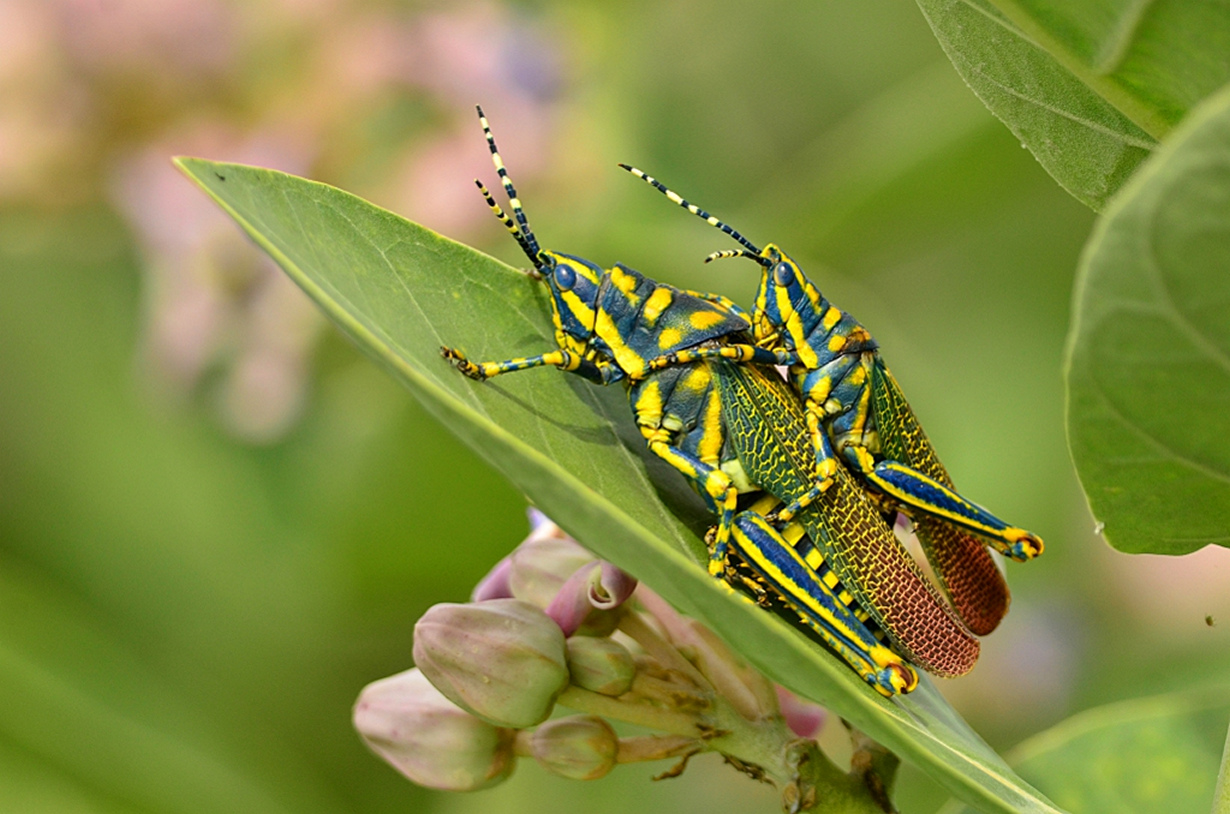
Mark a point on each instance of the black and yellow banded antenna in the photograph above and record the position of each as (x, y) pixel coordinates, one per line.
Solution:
(508, 222)
(749, 250)
(521, 228)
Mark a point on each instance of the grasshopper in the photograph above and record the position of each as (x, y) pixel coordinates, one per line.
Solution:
(855, 408)
(608, 324)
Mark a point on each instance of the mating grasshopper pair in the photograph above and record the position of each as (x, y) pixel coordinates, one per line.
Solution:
(817, 544)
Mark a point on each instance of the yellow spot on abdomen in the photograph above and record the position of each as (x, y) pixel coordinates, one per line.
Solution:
(836, 343)
(669, 338)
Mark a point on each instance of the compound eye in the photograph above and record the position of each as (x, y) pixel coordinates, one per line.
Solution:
(565, 277)
(783, 274)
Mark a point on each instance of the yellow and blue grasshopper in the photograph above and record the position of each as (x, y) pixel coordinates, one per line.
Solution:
(608, 324)
(855, 407)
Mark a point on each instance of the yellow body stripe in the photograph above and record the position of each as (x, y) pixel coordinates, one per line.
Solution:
(629, 360)
(836, 343)
(710, 447)
(815, 559)
(649, 405)
(583, 313)
(658, 302)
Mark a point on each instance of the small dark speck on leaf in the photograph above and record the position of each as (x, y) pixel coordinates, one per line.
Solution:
(221, 177)
(1208, 620)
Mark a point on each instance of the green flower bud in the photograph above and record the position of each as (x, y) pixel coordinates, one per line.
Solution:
(430, 740)
(580, 747)
(600, 665)
(502, 660)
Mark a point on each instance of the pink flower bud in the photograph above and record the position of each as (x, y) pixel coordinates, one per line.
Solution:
(406, 721)
(502, 660)
(495, 584)
(542, 563)
(804, 718)
(580, 747)
(570, 606)
(610, 587)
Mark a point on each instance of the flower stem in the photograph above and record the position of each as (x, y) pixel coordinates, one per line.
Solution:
(646, 715)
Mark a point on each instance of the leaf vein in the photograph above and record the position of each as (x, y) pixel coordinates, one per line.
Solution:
(1130, 141)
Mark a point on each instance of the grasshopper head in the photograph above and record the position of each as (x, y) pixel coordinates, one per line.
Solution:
(782, 284)
(574, 285)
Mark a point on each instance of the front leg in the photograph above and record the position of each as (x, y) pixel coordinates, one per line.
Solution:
(738, 353)
(598, 372)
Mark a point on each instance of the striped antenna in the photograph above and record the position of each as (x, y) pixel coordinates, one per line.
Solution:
(698, 212)
(734, 253)
(514, 203)
(508, 222)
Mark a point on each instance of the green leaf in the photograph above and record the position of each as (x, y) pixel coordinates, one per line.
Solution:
(401, 291)
(1144, 755)
(1149, 350)
(1088, 145)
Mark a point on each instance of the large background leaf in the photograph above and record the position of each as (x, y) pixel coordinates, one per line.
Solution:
(1089, 86)
(1149, 366)
(1133, 757)
(400, 291)
(1088, 146)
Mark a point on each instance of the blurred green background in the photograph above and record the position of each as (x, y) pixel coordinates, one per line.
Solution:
(218, 521)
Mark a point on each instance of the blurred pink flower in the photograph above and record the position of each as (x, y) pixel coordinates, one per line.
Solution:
(210, 294)
(98, 94)
(195, 36)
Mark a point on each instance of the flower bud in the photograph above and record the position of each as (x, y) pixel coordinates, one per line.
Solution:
(430, 740)
(542, 563)
(502, 660)
(610, 587)
(804, 718)
(580, 747)
(495, 584)
(600, 665)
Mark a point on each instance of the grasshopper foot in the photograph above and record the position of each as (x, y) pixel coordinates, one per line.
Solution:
(1026, 548)
(458, 360)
